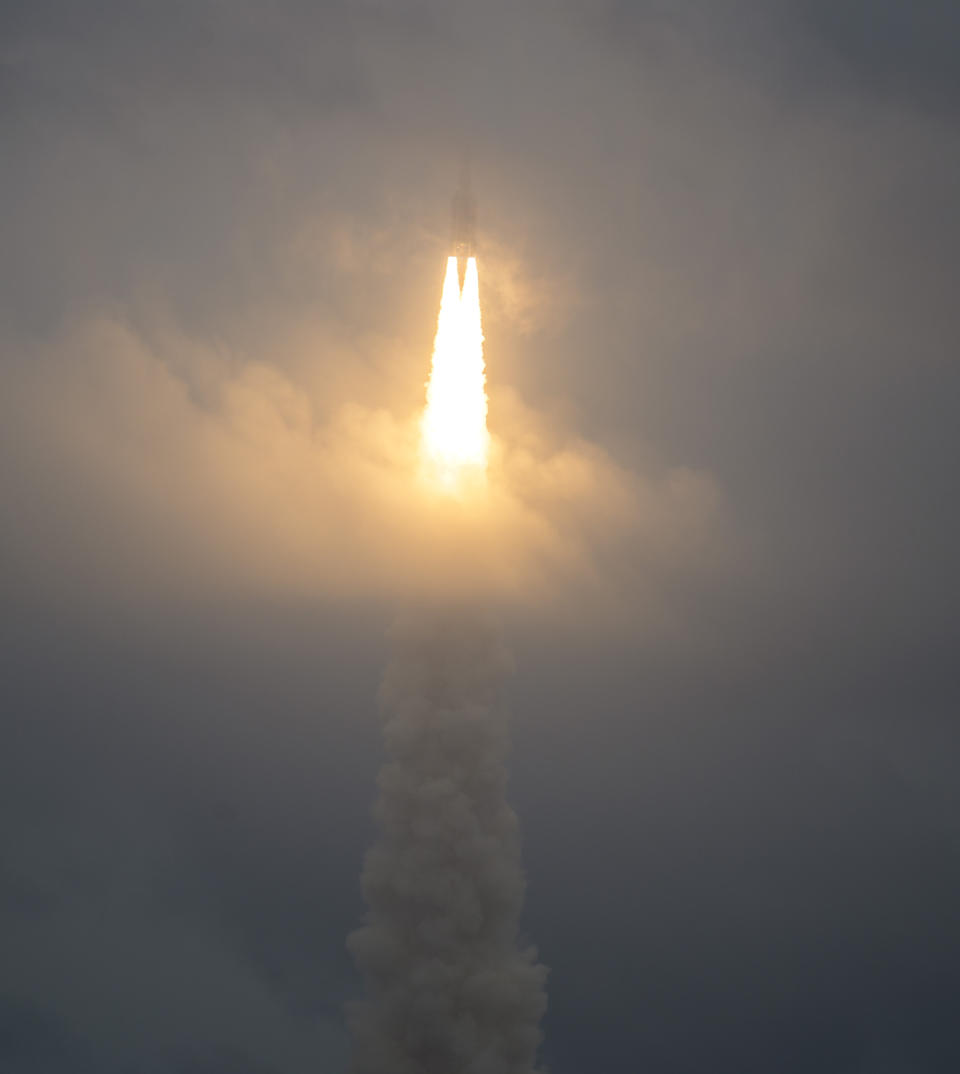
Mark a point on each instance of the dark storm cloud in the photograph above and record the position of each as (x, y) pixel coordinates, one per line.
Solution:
(113, 60)
(902, 50)
(36, 1040)
(720, 242)
(893, 49)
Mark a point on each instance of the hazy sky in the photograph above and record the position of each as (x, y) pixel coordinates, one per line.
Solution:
(718, 250)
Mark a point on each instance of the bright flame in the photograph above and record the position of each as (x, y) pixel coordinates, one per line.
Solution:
(454, 429)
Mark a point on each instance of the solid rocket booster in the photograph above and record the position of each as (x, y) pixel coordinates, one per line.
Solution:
(464, 213)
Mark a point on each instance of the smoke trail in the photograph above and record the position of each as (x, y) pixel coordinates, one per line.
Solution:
(448, 989)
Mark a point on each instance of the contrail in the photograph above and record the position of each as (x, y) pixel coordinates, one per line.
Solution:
(449, 989)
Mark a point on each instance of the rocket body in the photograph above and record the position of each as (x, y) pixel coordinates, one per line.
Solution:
(464, 225)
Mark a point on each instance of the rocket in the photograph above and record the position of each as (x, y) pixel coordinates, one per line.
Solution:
(464, 220)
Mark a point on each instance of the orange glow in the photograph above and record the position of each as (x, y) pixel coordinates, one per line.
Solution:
(454, 438)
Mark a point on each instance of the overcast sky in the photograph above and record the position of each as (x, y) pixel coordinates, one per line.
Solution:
(718, 268)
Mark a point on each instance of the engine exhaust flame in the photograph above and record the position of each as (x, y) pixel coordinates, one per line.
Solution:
(454, 428)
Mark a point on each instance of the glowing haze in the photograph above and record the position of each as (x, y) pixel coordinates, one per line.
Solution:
(450, 987)
(454, 430)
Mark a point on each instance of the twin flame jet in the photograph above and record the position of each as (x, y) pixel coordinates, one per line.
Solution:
(454, 438)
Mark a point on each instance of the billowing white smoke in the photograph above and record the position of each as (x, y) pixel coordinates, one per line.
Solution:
(449, 991)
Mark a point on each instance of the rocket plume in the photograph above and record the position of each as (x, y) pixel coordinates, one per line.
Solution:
(449, 989)
(454, 427)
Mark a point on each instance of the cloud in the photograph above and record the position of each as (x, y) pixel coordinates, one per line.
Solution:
(719, 247)
(157, 464)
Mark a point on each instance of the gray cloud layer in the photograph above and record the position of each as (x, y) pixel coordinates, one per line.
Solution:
(719, 248)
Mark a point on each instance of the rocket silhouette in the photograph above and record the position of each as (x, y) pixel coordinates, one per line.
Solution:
(464, 221)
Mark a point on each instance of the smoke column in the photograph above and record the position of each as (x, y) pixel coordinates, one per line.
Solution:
(449, 990)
